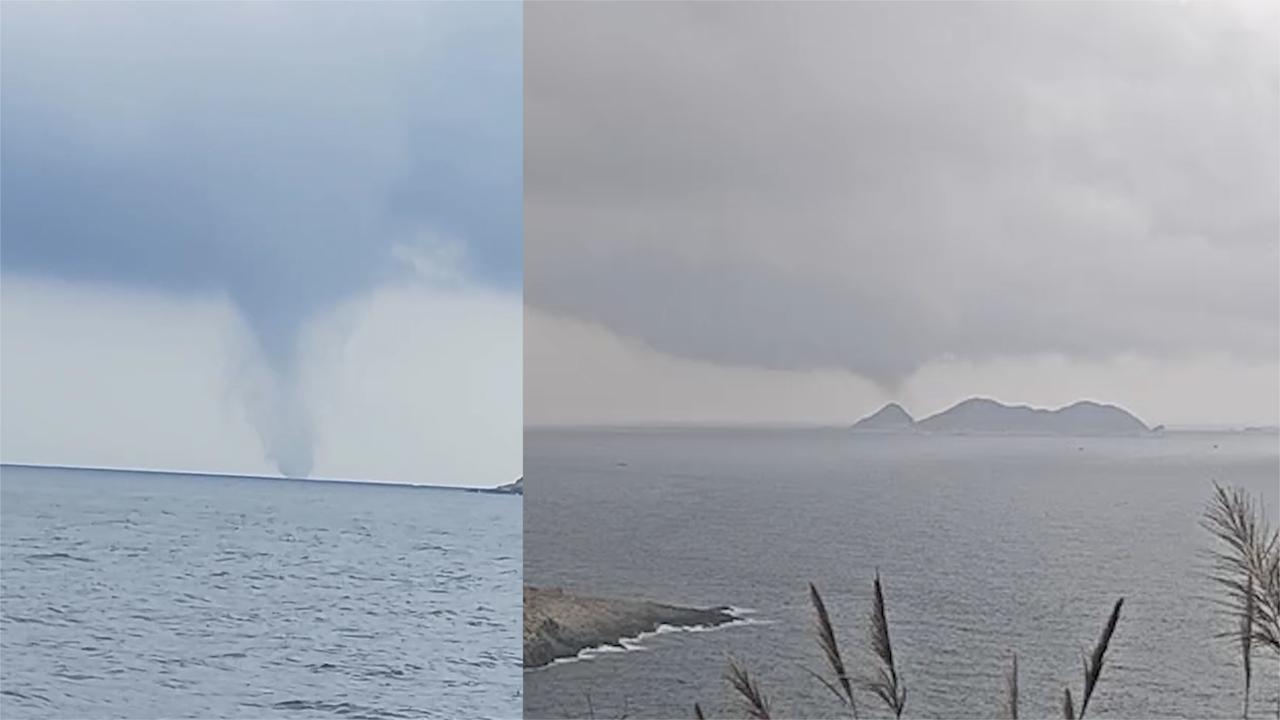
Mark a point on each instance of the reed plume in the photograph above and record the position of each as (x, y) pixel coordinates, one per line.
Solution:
(885, 683)
(1248, 569)
(753, 700)
(843, 687)
(1093, 665)
(1011, 690)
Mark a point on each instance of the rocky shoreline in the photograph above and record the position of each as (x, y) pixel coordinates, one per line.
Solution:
(558, 624)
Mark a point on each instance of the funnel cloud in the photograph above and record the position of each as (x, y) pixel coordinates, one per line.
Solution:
(280, 157)
(277, 410)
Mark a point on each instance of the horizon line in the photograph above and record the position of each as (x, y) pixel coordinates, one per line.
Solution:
(249, 476)
(823, 425)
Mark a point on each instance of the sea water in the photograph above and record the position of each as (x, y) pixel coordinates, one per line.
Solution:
(987, 546)
(152, 595)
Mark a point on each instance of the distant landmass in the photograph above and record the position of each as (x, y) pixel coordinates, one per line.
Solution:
(982, 416)
(513, 488)
(1262, 430)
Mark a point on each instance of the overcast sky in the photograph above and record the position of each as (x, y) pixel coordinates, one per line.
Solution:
(243, 236)
(797, 212)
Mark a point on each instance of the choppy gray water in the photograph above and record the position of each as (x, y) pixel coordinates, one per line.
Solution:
(986, 545)
(139, 596)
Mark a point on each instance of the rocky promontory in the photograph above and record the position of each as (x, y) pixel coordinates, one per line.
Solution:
(558, 624)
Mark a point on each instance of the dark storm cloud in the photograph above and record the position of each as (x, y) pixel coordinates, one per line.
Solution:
(871, 186)
(273, 152)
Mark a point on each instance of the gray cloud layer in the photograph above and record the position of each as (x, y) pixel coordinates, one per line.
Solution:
(871, 186)
(273, 152)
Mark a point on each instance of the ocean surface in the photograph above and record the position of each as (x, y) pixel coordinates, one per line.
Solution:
(987, 546)
(136, 595)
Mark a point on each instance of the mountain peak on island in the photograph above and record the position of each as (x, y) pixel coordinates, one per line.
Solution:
(984, 416)
(891, 417)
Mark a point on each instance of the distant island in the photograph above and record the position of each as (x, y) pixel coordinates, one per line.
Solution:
(983, 416)
(1262, 430)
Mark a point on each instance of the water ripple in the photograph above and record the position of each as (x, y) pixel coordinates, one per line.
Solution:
(240, 598)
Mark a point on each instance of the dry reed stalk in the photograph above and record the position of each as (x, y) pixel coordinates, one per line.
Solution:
(1011, 690)
(885, 683)
(1246, 643)
(1093, 666)
(843, 687)
(753, 700)
(1249, 571)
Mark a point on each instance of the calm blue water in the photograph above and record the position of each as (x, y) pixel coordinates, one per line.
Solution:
(145, 596)
(987, 546)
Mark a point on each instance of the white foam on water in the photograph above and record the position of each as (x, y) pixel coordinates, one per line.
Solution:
(741, 617)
